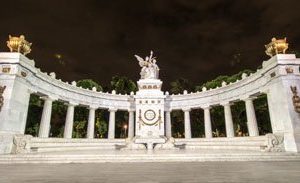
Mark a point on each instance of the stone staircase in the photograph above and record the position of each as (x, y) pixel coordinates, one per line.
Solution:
(116, 156)
(61, 144)
(29, 149)
(235, 143)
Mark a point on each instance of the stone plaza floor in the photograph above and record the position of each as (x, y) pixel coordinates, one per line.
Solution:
(152, 172)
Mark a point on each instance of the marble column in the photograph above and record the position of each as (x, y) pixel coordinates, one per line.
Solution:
(251, 118)
(187, 124)
(69, 121)
(131, 124)
(228, 120)
(207, 122)
(111, 125)
(46, 118)
(168, 124)
(91, 122)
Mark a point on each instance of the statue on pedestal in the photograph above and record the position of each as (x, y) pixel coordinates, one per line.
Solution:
(149, 70)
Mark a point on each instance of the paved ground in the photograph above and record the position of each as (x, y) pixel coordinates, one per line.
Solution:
(152, 172)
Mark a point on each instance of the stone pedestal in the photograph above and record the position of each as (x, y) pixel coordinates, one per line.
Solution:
(284, 118)
(149, 101)
(16, 96)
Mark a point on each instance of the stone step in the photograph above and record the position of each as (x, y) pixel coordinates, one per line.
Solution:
(235, 143)
(61, 144)
(144, 156)
(146, 159)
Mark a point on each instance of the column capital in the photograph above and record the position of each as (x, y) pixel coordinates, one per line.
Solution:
(206, 107)
(93, 107)
(186, 109)
(112, 109)
(245, 98)
(131, 110)
(70, 103)
(49, 98)
(31, 90)
(226, 103)
(168, 109)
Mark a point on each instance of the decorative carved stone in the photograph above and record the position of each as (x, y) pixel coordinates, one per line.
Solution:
(289, 70)
(19, 44)
(2, 88)
(6, 70)
(274, 143)
(276, 46)
(21, 144)
(296, 99)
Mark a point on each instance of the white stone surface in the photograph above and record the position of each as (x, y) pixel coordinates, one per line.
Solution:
(46, 118)
(69, 121)
(251, 118)
(112, 123)
(187, 124)
(228, 120)
(91, 123)
(149, 104)
(207, 123)
(131, 124)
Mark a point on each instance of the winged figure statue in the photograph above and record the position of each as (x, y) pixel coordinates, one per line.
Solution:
(149, 67)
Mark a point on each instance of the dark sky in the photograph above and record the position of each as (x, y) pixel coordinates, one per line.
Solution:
(194, 39)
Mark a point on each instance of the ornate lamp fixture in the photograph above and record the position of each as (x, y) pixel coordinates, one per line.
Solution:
(19, 44)
(276, 46)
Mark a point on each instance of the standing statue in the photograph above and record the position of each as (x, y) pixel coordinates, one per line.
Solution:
(149, 70)
(2, 88)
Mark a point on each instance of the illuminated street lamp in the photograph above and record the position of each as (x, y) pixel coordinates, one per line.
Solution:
(125, 130)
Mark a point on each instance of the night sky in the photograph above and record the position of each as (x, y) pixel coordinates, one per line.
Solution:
(193, 39)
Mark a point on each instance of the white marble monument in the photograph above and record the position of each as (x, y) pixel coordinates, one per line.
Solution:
(149, 123)
(149, 104)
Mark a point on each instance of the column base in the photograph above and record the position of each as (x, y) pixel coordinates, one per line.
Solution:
(6, 142)
(292, 142)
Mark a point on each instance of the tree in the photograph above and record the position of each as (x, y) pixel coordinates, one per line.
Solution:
(122, 84)
(79, 129)
(218, 81)
(89, 84)
(101, 125)
(181, 84)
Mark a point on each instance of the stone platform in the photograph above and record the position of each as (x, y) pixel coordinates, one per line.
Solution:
(116, 156)
(195, 172)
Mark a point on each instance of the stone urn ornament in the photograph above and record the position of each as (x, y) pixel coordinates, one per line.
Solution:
(19, 44)
(276, 46)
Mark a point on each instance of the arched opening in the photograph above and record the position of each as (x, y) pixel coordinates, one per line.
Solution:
(177, 118)
(197, 123)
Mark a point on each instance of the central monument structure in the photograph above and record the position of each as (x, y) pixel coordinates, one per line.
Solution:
(149, 102)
